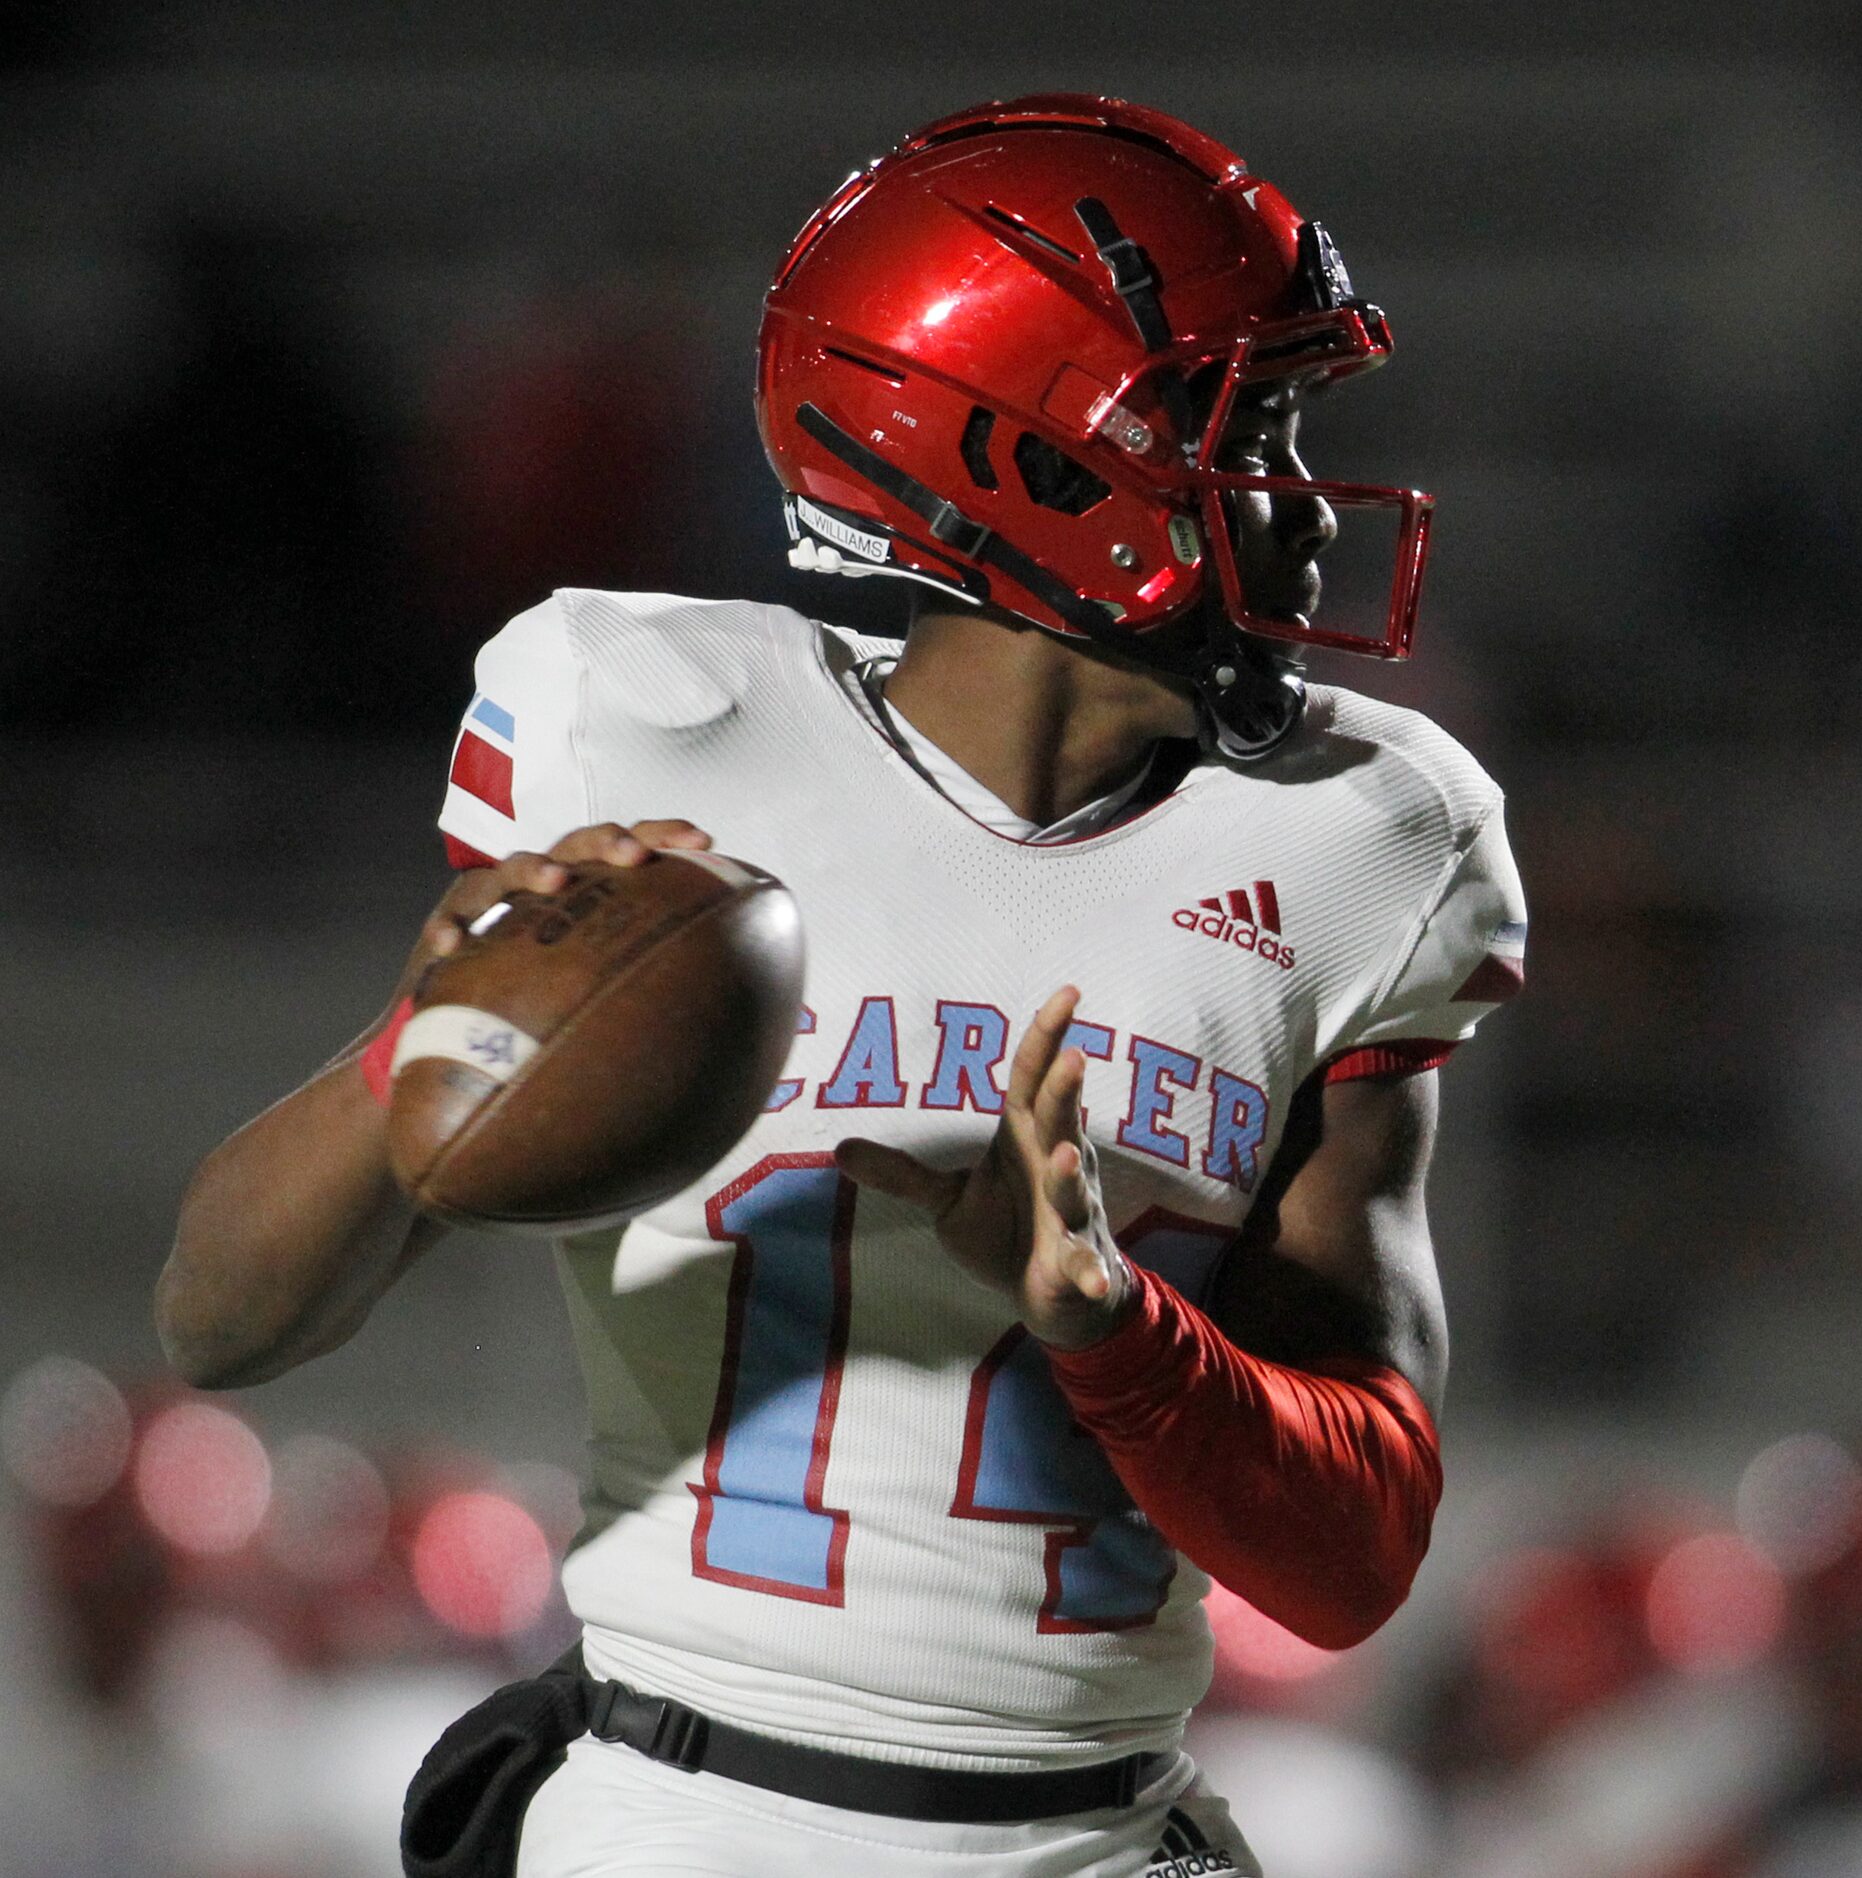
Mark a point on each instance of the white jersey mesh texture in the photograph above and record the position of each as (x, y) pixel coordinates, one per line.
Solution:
(834, 1494)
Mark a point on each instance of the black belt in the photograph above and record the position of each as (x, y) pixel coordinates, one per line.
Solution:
(669, 1731)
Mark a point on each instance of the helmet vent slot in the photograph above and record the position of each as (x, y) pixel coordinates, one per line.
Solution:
(975, 448)
(1016, 226)
(894, 379)
(1054, 479)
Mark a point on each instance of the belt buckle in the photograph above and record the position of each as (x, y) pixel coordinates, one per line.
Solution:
(660, 1728)
(679, 1737)
(603, 1696)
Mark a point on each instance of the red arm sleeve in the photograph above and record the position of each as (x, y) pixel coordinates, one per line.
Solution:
(377, 1061)
(1309, 1494)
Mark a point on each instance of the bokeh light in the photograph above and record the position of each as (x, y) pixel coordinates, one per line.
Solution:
(1318, 1802)
(1714, 1604)
(1251, 1644)
(482, 1564)
(550, 1494)
(1560, 1629)
(202, 1478)
(65, 1431)
(1800, 1502)
(328, 1519)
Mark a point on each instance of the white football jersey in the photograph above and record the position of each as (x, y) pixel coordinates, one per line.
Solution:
(835, 1494)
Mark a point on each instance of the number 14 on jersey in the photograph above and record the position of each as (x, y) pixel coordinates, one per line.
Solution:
(763, 1523)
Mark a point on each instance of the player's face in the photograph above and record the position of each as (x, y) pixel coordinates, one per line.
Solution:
(1278, 537)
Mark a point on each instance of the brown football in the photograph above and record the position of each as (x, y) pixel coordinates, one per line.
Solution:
(587, 1053)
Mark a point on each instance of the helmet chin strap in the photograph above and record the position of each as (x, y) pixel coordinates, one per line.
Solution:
(1249, 700)
(1248, 721)
(1249, 697)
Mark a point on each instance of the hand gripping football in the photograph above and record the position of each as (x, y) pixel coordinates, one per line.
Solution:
(587, 1053)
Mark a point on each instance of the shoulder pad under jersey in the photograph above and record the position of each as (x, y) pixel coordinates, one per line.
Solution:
(1464, 952)
(1409, 769)
(665, 660)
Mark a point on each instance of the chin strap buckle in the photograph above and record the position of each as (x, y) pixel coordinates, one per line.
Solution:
(1250, 701)
(954, 529)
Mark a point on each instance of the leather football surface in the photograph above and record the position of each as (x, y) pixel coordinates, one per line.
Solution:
(588, 1053)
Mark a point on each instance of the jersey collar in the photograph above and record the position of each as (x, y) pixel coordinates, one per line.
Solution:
(951, 780)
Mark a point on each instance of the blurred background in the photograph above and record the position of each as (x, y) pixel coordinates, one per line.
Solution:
(329, 337)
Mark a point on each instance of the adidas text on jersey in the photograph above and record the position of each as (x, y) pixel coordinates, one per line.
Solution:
(1230, 917)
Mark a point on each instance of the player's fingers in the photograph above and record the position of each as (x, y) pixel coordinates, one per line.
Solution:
(440, 935)
(1085, 1269)
(603, 841)
(1076, 1264)
(903, 1176)
(480, 888)
(1080, 1253)
(628, 847)
(1057, 1101)
(671, 832)
(1064, 1187)
(522, 872)
(1039, 1044)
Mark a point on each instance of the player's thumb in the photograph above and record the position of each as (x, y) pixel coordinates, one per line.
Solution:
(889, 1171)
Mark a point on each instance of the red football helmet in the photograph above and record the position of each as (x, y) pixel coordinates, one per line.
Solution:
(1002, 359)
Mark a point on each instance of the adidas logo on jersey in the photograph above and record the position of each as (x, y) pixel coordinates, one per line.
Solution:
(1232, 918)
(1185, 1851)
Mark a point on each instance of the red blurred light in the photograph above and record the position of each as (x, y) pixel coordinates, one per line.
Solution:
(482, 1564)
(202, 1478)
(1559, 1627)
(1714, 1604)
(1252, 1644)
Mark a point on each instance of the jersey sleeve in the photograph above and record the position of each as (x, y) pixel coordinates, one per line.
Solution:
(1464, 956)
(517, 779)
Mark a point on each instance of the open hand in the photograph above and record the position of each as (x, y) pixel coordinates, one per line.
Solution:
(1028, 1219)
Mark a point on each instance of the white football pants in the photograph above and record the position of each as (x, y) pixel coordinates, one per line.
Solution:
(608, 1812)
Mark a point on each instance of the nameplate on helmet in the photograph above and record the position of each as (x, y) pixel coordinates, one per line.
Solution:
(842, 534)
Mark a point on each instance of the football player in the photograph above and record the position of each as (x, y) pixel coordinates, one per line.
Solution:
(1081, 1255)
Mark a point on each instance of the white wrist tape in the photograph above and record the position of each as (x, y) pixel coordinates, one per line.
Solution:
(493, 1045)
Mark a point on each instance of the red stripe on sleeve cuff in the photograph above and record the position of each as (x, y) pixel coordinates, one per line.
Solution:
(1405, 1056)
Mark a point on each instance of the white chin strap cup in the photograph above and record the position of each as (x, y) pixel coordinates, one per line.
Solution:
(814, 557)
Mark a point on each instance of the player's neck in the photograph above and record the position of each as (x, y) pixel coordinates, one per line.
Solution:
(1044, 727)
